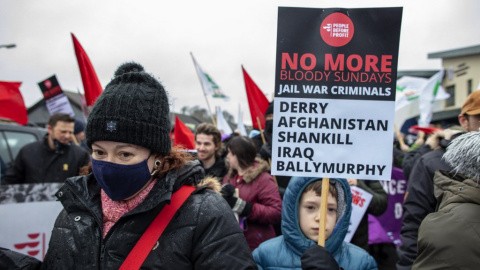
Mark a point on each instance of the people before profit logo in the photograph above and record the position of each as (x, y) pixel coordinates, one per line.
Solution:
(337, 29)
(34, 246)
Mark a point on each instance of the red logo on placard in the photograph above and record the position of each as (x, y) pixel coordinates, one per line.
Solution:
(357, 198)
(32, 248)
(337, 29)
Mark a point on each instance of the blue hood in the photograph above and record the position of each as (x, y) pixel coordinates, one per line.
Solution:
(291, 231)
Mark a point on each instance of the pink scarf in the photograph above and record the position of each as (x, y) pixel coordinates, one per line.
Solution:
(114, 210)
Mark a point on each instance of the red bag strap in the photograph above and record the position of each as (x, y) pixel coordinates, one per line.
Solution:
(140, 251)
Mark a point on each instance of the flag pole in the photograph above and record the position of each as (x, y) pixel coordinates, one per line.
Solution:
(204, 93)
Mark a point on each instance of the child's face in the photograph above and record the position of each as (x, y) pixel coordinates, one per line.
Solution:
(309, 214)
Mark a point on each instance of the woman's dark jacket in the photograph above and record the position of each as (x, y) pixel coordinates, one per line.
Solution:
(203, 234)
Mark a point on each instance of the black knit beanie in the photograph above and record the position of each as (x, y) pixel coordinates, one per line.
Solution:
(133, 109)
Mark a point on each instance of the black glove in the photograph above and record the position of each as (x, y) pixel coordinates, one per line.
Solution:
(318, 258)
(239, 206)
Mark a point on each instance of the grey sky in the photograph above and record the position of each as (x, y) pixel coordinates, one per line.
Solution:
(222, 35)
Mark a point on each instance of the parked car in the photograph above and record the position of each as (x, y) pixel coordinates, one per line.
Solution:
(13, 137)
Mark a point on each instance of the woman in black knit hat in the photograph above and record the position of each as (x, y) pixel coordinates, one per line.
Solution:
(134, 177)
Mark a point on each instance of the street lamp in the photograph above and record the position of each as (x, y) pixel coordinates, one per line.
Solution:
(8, 46)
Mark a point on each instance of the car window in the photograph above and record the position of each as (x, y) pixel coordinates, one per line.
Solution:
(4, 152)
(16, 140)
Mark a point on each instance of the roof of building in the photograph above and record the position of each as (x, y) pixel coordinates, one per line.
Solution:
(466, 51)
(424, 73)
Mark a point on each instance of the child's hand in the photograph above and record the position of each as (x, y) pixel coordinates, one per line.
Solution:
(352, 182)
(318, 258)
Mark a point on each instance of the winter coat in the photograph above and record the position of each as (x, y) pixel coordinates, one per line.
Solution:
(419, 202)
(218, 169)
(258, 188)
(203, 234)
(37, 163)
(377, 206)
(448, 238)
(411, 157)
(285, 251)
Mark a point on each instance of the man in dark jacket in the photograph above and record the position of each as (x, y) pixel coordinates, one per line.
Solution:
(52, 160)
(208, 145)
(420, 200)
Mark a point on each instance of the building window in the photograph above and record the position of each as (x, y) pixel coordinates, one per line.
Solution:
(469, 86)
(451, 100)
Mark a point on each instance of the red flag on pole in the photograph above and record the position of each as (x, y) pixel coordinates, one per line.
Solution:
(257, 101)
(91, 84)
(12, 105)
(183, 135)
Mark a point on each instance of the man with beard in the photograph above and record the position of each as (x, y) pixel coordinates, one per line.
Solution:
(52, 160)
(208, 145)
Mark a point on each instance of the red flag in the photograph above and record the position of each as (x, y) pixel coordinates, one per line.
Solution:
(183, 135)
(257, 101)
(91, 84)
(11, 103)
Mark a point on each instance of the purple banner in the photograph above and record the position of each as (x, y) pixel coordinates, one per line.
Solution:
(386, 228)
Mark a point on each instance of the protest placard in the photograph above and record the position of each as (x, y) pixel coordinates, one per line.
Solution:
(55, 99)
(360, 202)
(335, 92)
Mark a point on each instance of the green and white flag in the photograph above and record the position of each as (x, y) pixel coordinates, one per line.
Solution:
(209, 86)
(419, 96)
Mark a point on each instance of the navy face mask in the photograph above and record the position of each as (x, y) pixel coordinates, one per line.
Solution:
(120, 181)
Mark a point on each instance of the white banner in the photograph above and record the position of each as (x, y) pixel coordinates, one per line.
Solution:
(360, 202)
(28, 213)
(27, 227)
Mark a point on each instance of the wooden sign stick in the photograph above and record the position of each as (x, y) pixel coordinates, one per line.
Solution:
(323, 212)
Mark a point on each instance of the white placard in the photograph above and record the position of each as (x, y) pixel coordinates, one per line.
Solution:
(59, 104)
(360, 202)
(333, 138)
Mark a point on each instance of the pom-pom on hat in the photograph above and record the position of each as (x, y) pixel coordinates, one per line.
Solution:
(133, 109)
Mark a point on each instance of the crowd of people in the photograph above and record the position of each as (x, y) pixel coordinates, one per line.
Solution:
(130, 199)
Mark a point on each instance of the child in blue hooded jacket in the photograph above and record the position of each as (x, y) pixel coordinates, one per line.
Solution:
(300, 211)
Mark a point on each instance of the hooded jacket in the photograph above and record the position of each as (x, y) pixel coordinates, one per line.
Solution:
(203, 234)
(257, 187)
(456, 218)
(457, 222)
(285, 251)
